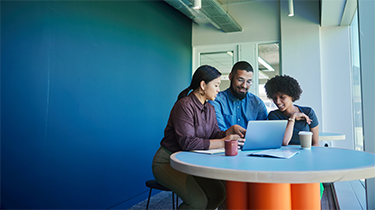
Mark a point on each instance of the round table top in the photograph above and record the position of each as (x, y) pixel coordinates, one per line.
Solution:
(324, 136)
(320, 164)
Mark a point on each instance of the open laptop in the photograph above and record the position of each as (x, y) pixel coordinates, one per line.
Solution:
(264, 134)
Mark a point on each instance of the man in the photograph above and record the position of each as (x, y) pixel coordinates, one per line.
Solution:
(236, 105)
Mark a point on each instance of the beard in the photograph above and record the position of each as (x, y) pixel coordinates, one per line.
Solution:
(238, 95)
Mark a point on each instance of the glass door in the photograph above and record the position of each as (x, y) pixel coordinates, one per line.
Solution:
(221, 57)
(268, 67)
(264, 58)
(222, 61)
(356, 86)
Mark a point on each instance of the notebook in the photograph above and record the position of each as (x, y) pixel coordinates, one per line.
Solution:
(264, 134)
(210, 151)
(275, 153)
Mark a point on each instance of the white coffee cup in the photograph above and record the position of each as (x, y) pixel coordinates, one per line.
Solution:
(305, 137)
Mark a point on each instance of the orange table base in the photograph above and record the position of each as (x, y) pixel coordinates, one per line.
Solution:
(269, 196)
(306, 196)
(236, 195)
(241, 195)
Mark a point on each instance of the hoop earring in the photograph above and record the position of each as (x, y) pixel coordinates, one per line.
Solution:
(202, 94)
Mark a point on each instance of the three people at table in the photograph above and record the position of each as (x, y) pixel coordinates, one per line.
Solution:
(284, 90)
(236, 105)
(195, 124)
(192, 125)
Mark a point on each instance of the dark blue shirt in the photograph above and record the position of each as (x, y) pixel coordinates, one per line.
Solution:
(300, 125)
(231, 111)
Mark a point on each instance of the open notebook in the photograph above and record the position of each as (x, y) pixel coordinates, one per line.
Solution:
(275, 153)
(210, 151)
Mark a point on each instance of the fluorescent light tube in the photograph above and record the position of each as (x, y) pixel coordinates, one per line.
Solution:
(197, 4)
(291, 8)
(265, 64)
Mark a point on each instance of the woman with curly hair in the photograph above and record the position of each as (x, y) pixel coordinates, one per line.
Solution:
(284, 90)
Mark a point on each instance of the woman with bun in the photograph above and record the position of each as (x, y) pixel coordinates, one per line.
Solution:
(192, 125)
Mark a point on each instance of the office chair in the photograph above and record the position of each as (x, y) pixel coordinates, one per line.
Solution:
(153, 184)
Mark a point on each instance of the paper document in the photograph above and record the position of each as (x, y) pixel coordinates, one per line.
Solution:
(276, 153)
(210, 151)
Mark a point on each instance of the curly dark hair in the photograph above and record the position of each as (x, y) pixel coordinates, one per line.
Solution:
(285, 85)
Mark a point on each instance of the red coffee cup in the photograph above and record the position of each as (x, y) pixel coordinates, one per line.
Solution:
(231, 147)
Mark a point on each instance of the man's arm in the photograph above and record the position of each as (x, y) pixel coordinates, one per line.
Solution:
(262, 111)
(219, 115)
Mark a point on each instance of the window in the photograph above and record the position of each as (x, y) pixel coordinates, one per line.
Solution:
(264, 57)
(356, 85)
(268, 67)
(222, 61)
(222, 57)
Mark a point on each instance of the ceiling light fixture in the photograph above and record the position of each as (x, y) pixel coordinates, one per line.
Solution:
(263, 76)
(197, 4)
(291, 9)
(265, 64)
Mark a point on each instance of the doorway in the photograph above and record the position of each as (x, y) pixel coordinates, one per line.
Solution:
(264, 57)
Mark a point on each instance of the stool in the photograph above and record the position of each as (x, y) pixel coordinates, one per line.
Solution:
(153, 184)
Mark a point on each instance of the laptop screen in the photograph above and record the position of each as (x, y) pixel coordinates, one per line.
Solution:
(264, 134)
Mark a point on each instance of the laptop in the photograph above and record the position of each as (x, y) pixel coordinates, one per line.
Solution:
(264, 134)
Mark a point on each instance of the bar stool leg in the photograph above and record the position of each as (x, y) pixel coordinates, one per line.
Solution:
(269, 196)
(148, 200)
(236, 195)
(306, 196)
(173, 200)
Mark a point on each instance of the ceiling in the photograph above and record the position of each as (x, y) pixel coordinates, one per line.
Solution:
(333, 13)
(232, 1)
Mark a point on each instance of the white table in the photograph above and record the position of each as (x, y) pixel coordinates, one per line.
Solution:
(271, 183)
(324, 136)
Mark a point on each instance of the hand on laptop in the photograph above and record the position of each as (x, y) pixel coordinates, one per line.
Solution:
(236, 132)
(241, 143)
(236, 137)
(236, 129)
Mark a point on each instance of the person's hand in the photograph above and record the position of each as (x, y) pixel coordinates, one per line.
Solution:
(235, 137)
(236, 129)
(302, 116)
(239, 130)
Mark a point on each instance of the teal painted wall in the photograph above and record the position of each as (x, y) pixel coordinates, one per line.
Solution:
(86, 91)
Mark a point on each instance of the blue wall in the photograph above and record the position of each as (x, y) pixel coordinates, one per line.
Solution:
(86, 90)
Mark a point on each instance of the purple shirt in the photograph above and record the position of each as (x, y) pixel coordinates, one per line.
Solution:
(191, 125)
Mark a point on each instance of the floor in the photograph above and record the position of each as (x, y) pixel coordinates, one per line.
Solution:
(163, 200)
(351, 195)
(328, 201)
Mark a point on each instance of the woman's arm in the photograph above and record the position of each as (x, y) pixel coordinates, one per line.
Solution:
(290, 126)
(184, 126)
(289, 131)
(315, 137)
